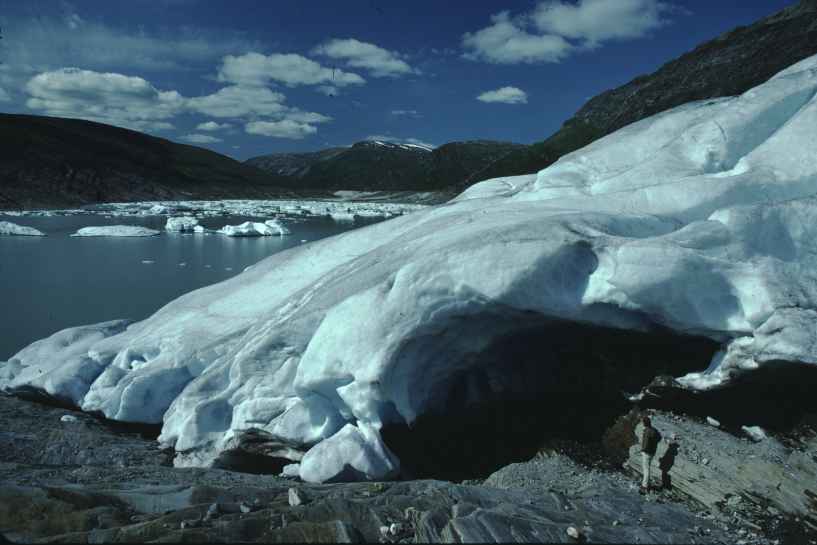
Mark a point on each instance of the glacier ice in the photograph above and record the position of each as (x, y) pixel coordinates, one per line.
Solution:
(9, 228)
(116, 231)
(255, 229)
(183, 224)
(701, 219)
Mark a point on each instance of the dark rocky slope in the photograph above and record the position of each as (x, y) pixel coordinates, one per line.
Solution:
(77, 479)
(384, 166)
(55, 162)
(728, 65)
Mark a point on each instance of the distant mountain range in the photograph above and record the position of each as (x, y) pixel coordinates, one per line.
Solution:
(48, 162)
(384, 166)
(55, 162)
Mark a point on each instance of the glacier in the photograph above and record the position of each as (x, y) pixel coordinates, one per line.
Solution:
(701, 220)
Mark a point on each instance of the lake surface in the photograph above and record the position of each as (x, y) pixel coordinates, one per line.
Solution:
(58, 281)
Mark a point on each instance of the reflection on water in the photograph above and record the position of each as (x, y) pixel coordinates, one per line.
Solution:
(50, 283)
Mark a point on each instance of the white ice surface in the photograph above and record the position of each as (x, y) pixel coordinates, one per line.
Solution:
(9, 228)
(702, 219)
(116, 231)
(181, 224)
(254, 229)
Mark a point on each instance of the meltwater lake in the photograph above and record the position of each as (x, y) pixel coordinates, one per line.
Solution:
(58, 281)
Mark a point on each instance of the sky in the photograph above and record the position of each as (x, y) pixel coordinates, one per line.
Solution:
(249, 78)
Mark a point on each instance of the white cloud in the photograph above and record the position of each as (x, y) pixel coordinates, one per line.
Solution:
(238, 101)
(395, 140)
(556, 29)
(253, 69)
(600, 20)
(506, 42)
(378, 61)
(211, 126)
(116, 99)
(42, 43)
(505, 95)
(133, 102)
(406, 113)
(286, 128)
(200, 138)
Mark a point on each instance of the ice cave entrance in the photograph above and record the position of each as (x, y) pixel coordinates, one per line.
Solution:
(555, 380)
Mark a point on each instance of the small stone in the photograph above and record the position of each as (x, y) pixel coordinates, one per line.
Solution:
(395, 528)
(705, 461)
(409, 513)
(244, 508)
(573, 532)
(712, 422)
(69, 418)
(616, 523)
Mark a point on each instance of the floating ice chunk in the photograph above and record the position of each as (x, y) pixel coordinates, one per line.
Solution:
(343, 217)
(278, 226)
(251, 229)
(68, 418)
(712, 422)
(116, 231)
(8, 228)
(148, 262)
(182, 224)
(157, 210)
(199, 229)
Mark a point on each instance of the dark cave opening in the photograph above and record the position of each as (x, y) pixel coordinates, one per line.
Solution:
(556, 381)
(779, 397)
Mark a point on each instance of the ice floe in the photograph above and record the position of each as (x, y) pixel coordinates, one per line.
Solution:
(9, 228)
(254, 229)
(701, 219)
(116, 231)
(181, 224)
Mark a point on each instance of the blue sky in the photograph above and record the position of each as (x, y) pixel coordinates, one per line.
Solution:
(249, 78)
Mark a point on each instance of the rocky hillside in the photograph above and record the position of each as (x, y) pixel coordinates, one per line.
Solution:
(728, 65)
(385, 166)
(54, 162)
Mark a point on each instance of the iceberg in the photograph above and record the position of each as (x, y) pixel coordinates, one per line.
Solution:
(254, 229)
(116, 231)
(183, 224)
(701, 220)
(9, 228)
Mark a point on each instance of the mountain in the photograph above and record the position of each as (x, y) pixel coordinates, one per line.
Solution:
(381, 166)
(728, 65)
(55, 162)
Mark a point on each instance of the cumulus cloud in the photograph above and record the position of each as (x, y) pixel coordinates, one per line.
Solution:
(505, 95)
(238, 101)
(255, 69)
(133, 102)
(285, 128)
(126, 101)
(506, 42)
(356, 54)
(556, 29)
(211, 126)
(200, 138)
(600, 20)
